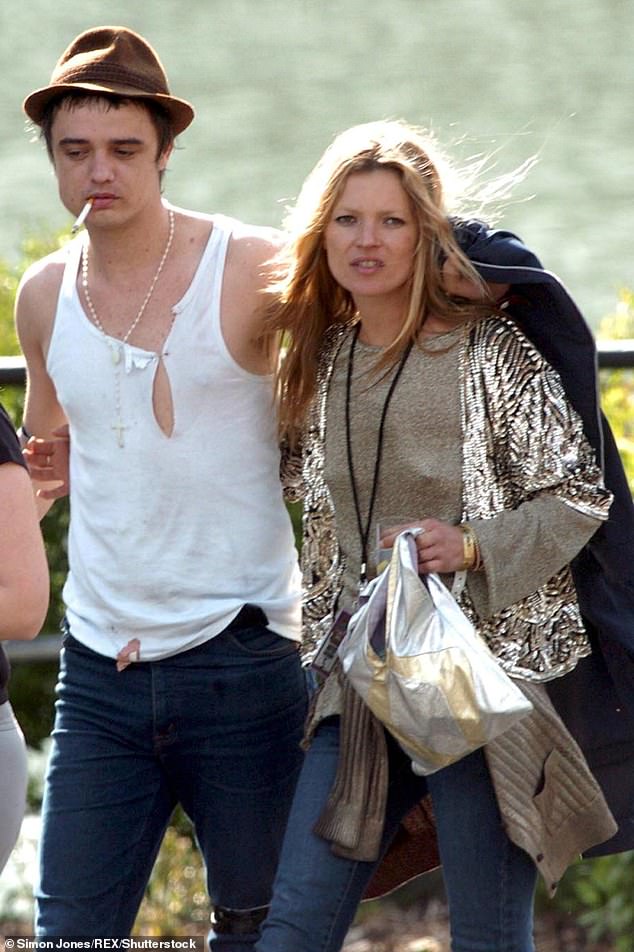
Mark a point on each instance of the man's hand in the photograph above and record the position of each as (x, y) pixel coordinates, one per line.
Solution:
(47, 461)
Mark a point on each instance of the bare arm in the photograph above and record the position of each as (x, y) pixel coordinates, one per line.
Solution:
(248, 272)
(36, 302)
(24, 586)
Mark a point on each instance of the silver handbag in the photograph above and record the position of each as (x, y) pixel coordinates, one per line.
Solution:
(418, 663)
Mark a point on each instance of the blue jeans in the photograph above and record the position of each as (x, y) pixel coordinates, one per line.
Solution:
(217, 729)
(489, 881)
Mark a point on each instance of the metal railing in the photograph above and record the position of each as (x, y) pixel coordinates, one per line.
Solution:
(616, 354)
(12, 371)
(44, 648)
(613, 355)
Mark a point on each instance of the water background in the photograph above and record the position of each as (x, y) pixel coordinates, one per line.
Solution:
(274, 80)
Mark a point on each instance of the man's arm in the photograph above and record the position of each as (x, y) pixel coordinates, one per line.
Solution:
(248, 272)
(36, 302)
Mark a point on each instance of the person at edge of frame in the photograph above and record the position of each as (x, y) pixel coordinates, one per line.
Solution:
(442, 408)
(24, 593)
(180, 677)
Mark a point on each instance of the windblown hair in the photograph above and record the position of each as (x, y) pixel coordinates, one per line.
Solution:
(305, 299)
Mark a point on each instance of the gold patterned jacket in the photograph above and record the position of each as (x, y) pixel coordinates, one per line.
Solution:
(521, 438)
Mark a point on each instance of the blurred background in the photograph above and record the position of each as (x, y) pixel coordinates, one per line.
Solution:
(274, 80)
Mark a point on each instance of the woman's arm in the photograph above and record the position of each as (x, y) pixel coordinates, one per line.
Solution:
(523, 432)
(24, 584)
(291, 472)
(525, 547)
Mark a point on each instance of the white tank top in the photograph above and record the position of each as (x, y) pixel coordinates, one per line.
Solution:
(170, 536)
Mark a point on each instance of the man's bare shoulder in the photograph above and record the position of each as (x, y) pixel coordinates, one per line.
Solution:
(248, 271)
(42, 278)
(255, 244)
(36, 300)
(257, 234)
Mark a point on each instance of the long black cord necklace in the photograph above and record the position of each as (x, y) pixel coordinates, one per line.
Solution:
(364, 530)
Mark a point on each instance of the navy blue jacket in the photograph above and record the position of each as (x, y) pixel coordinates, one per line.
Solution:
(596, 700)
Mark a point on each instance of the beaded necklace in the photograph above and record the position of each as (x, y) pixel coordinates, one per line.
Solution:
(116, 351)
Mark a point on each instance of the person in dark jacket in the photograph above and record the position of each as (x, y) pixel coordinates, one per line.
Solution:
(596, 700)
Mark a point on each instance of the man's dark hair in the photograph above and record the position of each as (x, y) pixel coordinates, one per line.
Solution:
(71, 99)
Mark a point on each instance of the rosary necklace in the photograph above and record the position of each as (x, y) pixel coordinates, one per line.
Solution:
(115, 350)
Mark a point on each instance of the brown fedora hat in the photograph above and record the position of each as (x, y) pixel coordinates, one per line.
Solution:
(111, 59)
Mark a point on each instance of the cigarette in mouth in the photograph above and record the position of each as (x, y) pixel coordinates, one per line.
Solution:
(81, 218)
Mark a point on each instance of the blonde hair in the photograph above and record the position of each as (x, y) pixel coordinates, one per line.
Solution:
(306, 299)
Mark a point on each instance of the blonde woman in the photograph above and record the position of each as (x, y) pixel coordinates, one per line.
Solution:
(414, 394)
(23, 604)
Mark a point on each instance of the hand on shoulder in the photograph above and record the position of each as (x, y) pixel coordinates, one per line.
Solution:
(457, 283)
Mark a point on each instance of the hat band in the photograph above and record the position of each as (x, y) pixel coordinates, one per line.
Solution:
(109, 74)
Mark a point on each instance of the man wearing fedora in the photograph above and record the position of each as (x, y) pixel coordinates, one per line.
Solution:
(180, 679)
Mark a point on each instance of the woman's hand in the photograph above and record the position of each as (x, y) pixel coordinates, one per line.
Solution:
(455, 283)
(47, 461)
(440, 545)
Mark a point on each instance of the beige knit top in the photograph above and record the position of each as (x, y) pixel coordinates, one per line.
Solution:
(421, 473)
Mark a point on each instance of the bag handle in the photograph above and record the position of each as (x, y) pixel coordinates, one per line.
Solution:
(460, 577)
(405, 548)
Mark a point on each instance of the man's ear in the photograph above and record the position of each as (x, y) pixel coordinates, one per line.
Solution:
(164, 157)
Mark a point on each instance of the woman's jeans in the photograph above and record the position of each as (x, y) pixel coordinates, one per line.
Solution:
(217, 729)
(489, 881)
(13, 778)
